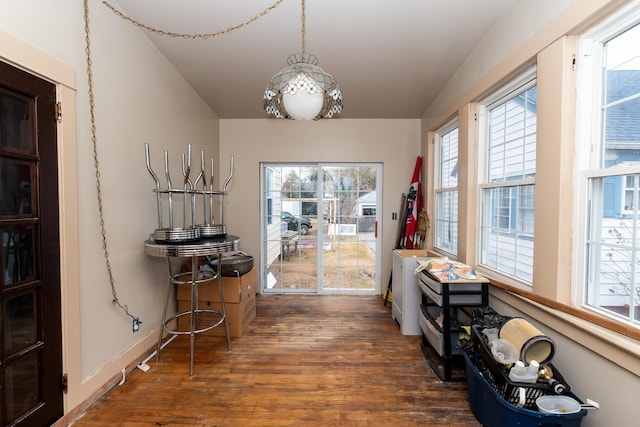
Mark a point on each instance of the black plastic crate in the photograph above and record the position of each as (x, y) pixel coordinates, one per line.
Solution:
(498, 376)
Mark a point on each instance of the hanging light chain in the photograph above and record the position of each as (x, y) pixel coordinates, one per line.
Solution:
(192, 36)
(94, 140)
(304, 28)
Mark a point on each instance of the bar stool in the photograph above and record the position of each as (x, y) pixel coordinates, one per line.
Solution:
(193, 279)
(194, 250)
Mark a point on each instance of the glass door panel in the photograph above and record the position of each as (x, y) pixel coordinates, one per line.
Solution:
(20, 324)
(319, 228)
(21, 379)
(18, 249)
(290, 225)
(350, 206)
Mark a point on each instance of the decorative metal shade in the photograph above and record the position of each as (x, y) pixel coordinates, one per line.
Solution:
(302, 91)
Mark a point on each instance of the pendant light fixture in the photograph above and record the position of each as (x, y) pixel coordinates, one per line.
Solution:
(302, 91)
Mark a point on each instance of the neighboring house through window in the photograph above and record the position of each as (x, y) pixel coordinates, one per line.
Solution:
(269, 193)
(508, 182)
(446, 188)
(609, 120)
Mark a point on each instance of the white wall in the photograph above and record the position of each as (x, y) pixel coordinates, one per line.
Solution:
(395, 143)
(139, 98)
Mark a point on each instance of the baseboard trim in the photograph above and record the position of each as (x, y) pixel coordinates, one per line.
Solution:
(78, 412)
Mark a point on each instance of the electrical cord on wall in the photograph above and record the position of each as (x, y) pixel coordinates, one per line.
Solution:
(135, 320)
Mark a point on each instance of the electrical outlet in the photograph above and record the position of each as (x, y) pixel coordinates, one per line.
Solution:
(136, 325)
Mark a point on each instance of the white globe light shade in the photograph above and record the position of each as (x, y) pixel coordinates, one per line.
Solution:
(302, 105)
(302, 91)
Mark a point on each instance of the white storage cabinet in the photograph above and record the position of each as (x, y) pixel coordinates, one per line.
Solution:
(405, 308)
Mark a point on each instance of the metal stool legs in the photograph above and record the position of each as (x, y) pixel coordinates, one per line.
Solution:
(194, 311)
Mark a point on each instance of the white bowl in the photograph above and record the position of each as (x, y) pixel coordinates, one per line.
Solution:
(558, 404)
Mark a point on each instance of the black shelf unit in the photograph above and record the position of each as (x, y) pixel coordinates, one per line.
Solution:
(446, 306)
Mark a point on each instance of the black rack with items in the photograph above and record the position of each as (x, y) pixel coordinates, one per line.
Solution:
(443, 312)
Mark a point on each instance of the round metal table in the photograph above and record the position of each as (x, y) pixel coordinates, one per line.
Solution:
(194, 249)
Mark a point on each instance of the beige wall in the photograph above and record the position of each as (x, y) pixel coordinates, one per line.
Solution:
(394, 143)
(139, 98)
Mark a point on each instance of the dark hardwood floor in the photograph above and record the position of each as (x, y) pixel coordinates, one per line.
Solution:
(305, 361)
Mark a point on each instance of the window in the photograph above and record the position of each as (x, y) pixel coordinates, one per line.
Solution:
(508, 185)
(610, 80)
(369, 211)
(630, 194)
(446, 189)
(269, 193)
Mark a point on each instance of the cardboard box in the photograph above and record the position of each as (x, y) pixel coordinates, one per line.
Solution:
(236, 289)
(239, 316)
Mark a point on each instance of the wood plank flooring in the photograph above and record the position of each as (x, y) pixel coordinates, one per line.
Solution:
(305, 361)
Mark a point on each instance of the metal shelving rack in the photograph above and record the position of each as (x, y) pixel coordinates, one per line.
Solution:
(450, 302)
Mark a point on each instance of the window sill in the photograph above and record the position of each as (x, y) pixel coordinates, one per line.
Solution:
(619, 348)
(612, 340)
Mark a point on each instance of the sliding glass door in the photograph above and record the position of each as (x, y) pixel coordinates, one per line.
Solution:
(319, 228)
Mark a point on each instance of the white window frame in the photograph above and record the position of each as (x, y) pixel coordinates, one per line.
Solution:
(633, 191)
(269, 196)
(440, 189)
(519, 85)
(589, 153)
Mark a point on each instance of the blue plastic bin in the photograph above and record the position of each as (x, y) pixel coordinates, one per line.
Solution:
(493, 411)
(498, 377)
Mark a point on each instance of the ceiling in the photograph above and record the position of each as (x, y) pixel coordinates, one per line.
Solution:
(389, 57)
